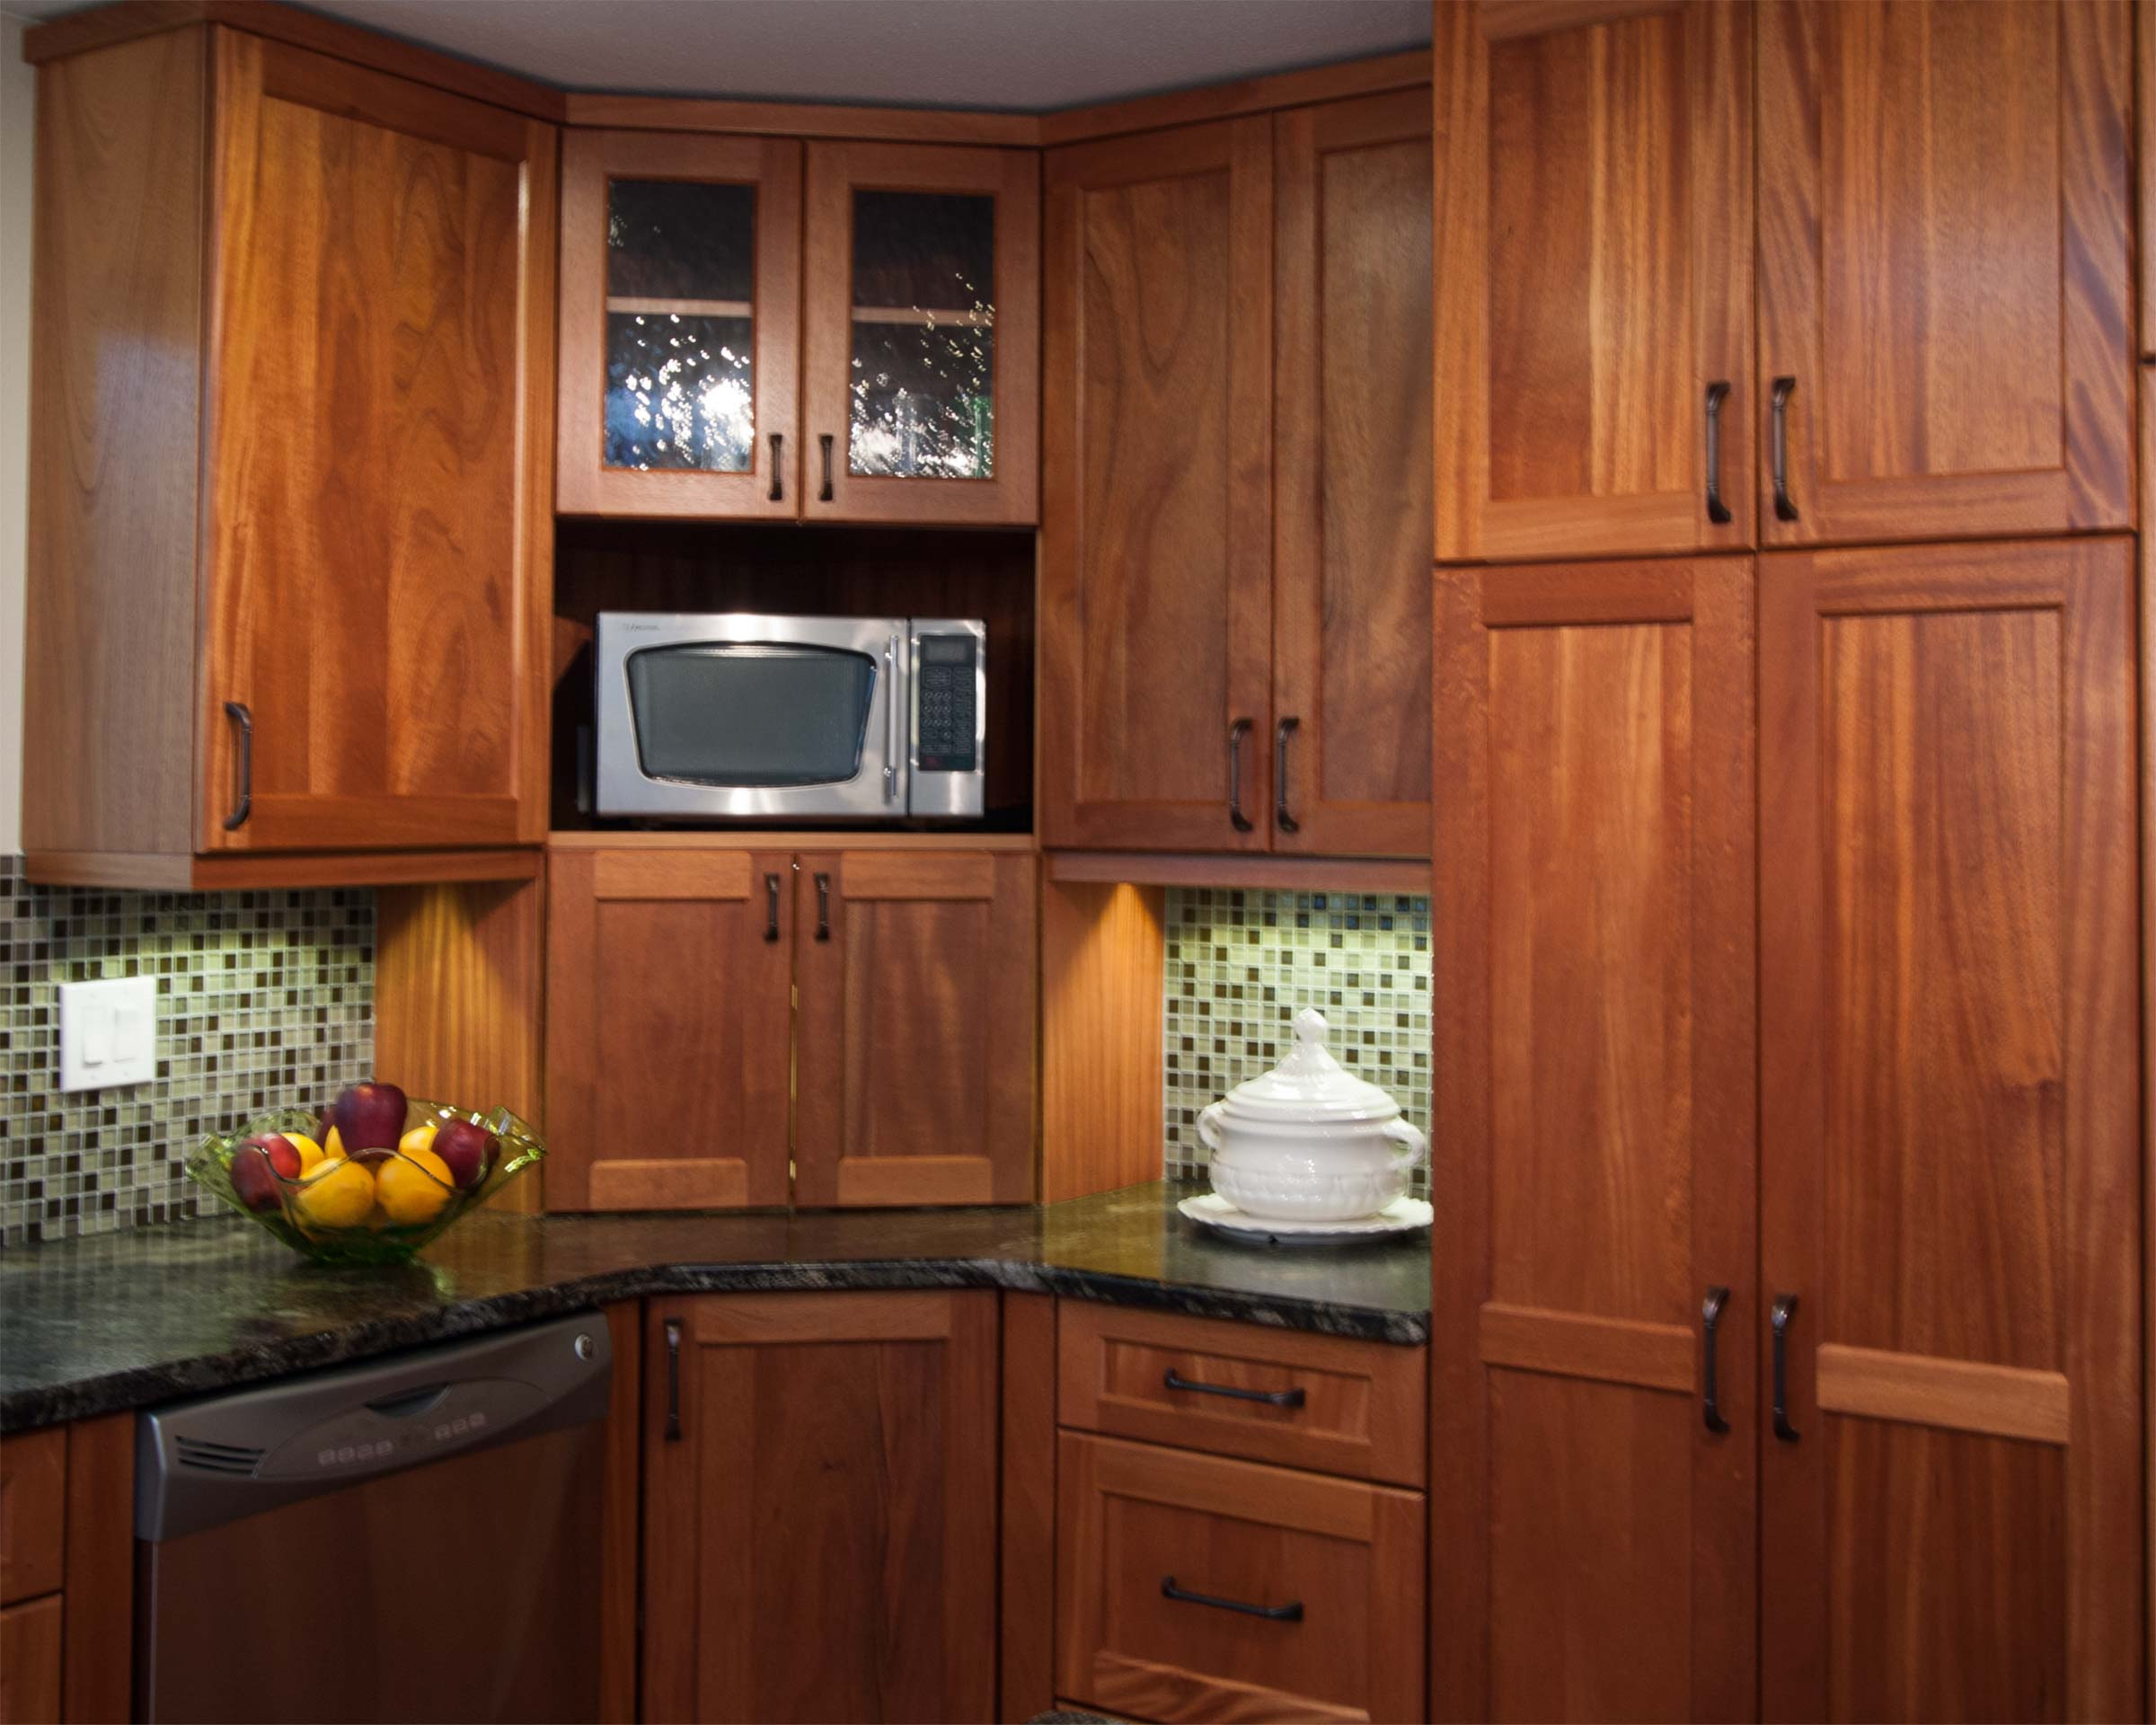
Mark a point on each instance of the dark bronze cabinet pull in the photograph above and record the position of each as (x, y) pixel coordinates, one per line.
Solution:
(1784, 1310)
(1291, 1613)
(1779, 446)
(236, 711)
(777, 477)
(1710, 1316)
(825, 440)
(823, 906)
(1284, 821)
(1718, 511)
(673, 1380)
(1237, 731)
(771, 907)
(1293, 1398)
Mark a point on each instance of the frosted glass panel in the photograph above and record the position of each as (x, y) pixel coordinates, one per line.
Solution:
(922, 393)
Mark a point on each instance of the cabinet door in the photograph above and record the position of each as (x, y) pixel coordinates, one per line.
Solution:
(1156, 507)
(680, 325)
(1593, 291)
(922, 370)
(379, 546)
(669, 1033)
(1351, 478)
(1945, 278)
(820, 1510)
(916, 1039)
(1950, 1179)
(1595, 1093)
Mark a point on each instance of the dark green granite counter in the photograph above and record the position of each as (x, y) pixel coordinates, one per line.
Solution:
(129, 1319)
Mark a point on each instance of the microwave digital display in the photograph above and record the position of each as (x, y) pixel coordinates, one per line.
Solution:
(752, 714)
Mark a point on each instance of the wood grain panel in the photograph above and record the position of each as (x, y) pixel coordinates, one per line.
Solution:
(1594, 1085)
(1351, 473)
(176, 872)
(619, 1552)
(1157, 510)
(583, 484)
(1101, 957)
(1949, 1063)
(653, 875)
(29, 1661)
(916, 1038)
(379, 568)
(1340, 82)
(623, 112)
(1133, 1516)
(1026, 1538)
(33, 1487)
(1594, 276)
(1011, 492)
(1273, 874)
(818, 1544)
(98, 1638)
(1996, 1401)
(1945, 266)
(115, 386)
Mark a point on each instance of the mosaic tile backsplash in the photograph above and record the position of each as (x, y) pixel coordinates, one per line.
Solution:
(263, 999)
(1241, 965)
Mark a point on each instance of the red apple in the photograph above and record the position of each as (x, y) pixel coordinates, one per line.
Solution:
(370, 1120)
(467, 1151)
(251, 1169)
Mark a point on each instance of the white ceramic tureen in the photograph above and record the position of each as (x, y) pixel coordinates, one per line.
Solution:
(1309, 1141)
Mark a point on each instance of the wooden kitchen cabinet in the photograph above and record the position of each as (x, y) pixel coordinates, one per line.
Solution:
(1593, 1508)
(819, 1507)
(1945, 285)
(68, 1572)
(1950, 1162)
(1593, 296)
(289, 574)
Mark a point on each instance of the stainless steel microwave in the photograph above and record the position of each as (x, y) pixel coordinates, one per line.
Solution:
(748, 716)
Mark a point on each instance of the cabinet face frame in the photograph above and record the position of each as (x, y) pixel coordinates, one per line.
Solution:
(772, 166)
(1636, 345)
(1010, 494)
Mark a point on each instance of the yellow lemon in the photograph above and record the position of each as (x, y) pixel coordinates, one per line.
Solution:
(337, 1195)
(414, 1184)
(420, 1138)
(310, 1151)
(332, 1144)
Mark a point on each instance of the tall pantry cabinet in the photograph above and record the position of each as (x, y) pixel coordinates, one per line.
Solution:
(1791, 870)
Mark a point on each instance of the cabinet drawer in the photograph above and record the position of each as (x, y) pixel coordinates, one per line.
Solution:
(1195, 1587)
(33, 1477)
(1274, 1396)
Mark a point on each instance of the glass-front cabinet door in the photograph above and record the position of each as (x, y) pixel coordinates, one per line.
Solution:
(920, 377)
(679, 336)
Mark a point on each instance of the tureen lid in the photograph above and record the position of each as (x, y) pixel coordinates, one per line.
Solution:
(1310, 1084)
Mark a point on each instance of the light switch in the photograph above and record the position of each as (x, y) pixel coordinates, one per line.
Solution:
(107, 1034)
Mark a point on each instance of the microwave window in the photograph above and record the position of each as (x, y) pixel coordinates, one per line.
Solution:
(750, 715)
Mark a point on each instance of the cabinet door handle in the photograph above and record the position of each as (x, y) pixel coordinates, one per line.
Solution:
(778, 476)
(1710, 1316)
(673, 1380)
(1284, 821)
(1778, 444)
(243, 722)
(823, 906)
(1291, 1613)
(1293, 1398)
(771, 907)
(1784, 1311)
(823, 438)
(1237, 731)
(1718, 511)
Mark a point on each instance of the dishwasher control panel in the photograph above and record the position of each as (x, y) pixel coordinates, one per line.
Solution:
(438, 1420)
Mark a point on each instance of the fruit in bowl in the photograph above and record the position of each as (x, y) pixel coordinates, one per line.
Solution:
(371, 1178)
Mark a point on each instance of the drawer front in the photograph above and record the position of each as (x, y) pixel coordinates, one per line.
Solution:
(1272, 1395)
(33, 1478)
(1196, 1588)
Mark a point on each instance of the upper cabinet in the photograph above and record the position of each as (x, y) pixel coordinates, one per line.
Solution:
(1594, 280)
(289, 545)
(706, 372)
(1946, 288)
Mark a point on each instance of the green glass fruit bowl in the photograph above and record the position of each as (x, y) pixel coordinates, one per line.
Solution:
(289, 1173)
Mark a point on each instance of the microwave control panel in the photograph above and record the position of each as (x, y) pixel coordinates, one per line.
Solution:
(944, 703)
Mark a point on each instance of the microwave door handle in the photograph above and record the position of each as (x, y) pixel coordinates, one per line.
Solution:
(891, 720)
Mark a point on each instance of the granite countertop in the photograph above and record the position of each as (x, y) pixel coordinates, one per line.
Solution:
(129, 1319)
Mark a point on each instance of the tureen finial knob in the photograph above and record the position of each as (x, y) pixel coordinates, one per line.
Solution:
(1310, 1026)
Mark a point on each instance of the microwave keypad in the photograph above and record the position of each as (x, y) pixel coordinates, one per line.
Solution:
(945, 700)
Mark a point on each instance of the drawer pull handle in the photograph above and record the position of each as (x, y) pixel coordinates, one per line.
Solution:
(1291, 1613)
(1293, 1398)
(673, 1380)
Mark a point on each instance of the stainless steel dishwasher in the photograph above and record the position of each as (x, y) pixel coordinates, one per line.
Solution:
(414, 1538)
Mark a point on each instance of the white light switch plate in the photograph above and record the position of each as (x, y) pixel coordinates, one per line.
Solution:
(107, 1034)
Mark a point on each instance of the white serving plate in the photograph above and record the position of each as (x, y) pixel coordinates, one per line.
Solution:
(1403, 1215)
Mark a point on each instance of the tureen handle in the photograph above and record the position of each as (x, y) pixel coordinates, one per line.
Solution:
(1402, 1132)
(1208, 1132)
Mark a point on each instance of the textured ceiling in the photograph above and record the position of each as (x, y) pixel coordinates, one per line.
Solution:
(1019, 54)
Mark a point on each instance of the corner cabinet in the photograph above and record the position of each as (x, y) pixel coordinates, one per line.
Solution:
(289, 567)
(756, 329)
